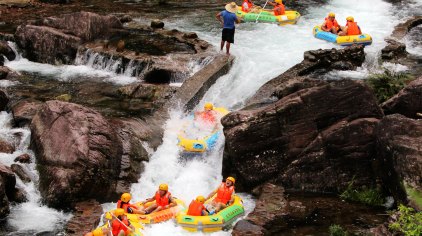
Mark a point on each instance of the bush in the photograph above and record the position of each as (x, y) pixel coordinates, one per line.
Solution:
(414, 195)
(366, 196)
(387, 84)
(337, 230)
(409, 222)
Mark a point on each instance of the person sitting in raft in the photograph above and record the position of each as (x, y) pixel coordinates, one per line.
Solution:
(209, 116)
(278, 7)
(163, 200)
(330, 24)
(351, 27)
(247, 5)
(197, 208)
(121, 226)
(225, 195)
(124, 204)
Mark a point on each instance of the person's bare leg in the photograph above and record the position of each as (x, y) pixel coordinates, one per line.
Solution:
(151, 208)
(228, 48)
(222, 45)
(159, 208)
(121, 233)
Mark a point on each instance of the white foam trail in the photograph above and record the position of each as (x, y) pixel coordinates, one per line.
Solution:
(31, 216)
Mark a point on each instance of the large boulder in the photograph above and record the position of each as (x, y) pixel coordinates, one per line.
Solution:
(78, 154)
(7, 189)
(85, 218)
(399, 143)
(56, 39)
(320, 138)
(7, 51)
(272, 214)
(407, 102)
(23, 111)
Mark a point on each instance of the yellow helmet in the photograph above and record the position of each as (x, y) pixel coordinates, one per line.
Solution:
(200, 199)
(231, 179)
(331, 14)
(119, 212)
(97, 232)
(350, 18)
(279, 1)
(125, 197)
(163, 187)
(208, 106)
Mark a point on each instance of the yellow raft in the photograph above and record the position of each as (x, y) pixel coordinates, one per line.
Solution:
(100, 231)
(267, 16)
(214, 222)
(364, 39)
(202, 144)
(160, 216)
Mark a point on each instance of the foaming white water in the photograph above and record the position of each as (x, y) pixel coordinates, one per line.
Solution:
(31, 216)
(67, 72)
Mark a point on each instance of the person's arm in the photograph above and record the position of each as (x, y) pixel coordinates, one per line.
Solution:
(218, 17)
(148, 200)
(211, 194)
(272, 4)
(172, 203)
(237, 20)
(324, 27)
(360, 31)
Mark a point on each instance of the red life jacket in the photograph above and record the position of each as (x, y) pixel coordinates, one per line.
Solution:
(224, 193)
(330, 24)
(353, 28)
(195, 208)
(116, 226)
(246, 6)
(125, 205)
(164, 200)
(279, 9)
(208, 117)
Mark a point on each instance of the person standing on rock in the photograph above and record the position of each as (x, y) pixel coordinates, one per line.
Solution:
(228, 19)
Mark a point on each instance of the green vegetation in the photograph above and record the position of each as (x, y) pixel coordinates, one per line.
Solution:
(409, 222)
(366, 196)
(387, 84)
(337, 230)
(414, 195)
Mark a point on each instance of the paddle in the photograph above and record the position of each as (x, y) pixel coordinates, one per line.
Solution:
(256, 21)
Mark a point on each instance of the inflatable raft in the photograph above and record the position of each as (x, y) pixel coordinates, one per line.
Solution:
(267, 16)
(100, 231)
(157, 217)
(203, 143)
(364, 39)
(212, 223)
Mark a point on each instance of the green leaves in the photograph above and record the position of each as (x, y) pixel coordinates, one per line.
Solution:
(409, 222)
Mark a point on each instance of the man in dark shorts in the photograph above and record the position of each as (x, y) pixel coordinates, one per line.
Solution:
(228, 19)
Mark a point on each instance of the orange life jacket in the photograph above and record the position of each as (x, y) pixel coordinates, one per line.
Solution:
(125, 205)
(279, 9)
(209, 117)
(195, 208)
(224, 193)
(353, 28)
(116, 226)
(246, 6)
(164, 200)
(330, 24)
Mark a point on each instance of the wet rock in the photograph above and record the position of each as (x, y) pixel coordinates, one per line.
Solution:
(4, 71)
(4, 100)
(407, 102)
(190, 35)
(315, 139)
(6, 147)
(393, 50)
(69, 139)
(56, 39)
(24, 158)
(64, 97)
(403, 28)
(382, 230)
(21, 173)
(320, 61)
(24, 110)
(273, 213)
(7, 51)
(85, 218)
(19, 196)
(399, 144)
(120, 46)
(16, 3)
(7, 189)
(56, 1)
(125, 19)
(157, 24)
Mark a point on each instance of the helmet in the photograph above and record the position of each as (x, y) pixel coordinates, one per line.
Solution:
(200, 199)
(119, 212)
(279, 1)
(97, 232)
(331, 14)
(231, 179)
(350, 18)
(163, 187)
(126, 197)
(208, 106)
